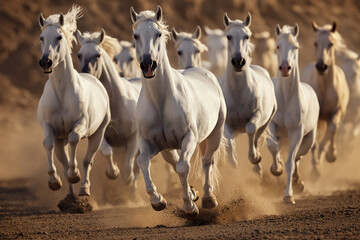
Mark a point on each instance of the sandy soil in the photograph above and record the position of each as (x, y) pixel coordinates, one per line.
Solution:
(248, 208)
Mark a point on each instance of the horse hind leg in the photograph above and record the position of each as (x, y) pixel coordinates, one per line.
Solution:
(62, 154)
(172, 157)
(49, 142)
(112, 170)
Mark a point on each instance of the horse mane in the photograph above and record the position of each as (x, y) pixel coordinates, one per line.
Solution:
(149, 15)
(110, 45)
(286, 32)
(126, 44)
(184, 36)
(239, 23)
(69, 26)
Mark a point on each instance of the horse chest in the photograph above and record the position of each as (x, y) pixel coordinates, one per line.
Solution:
(239, 113)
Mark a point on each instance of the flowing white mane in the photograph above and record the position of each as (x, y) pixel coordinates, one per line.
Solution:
(126, 44)
(110, 45)
(69, 26)
(148, 15)
(239, 23)
(286, 32)
(184, 36)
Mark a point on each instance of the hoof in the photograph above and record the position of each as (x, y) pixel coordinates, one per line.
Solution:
(84, 191)
(298, 186)
(195, 193)
(55, 185)
(160, 206)
(75, 177)
(194, 213)
(331, 156)
(112, 174)
(209, 202)
(289, 200)
(276, 172)
(255, 160)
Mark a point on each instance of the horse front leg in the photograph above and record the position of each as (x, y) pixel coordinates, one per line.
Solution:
(147, 152)
(49, 142)
(74, 138)
(295, 138)
(188, 146)
(333, 126)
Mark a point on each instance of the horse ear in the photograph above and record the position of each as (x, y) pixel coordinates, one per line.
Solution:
(61, 19)
(159, 13)
(247, 20)
(174, 34)
(295, 30)
(79, 36)
(101, 37)
(277, 30)
(41, 20)
(333, 28)
(133, 15)
(226, 19)
(315, 26)
(207, 30)
(197, 33)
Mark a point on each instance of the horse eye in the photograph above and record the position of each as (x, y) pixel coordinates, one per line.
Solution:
(315, 44)
(229, 37)
(136, 36)
(246, 37)
(179, 52)
(97, 56)
(331, 44)
(278, 47)
(197, 51)
(159, 35)
(131, 59)
(41, 38)
(79, 55)
(59, 38)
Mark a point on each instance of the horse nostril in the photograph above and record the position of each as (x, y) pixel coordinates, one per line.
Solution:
(288, 68)
(49, 63)
(280, 68)
(233, 62)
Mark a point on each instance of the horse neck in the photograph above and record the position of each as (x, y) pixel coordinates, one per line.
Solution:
(289, 86)
(157, 89)
(330, 75)
(64, 74)
(111, 80)
(237, 80)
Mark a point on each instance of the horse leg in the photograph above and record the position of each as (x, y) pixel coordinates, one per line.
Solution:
(188, 146)
(251, 129)
(307, 143)
(94, 142)
(333, 126)
(290, 165)
(132, 147)
(49, 142)
(147, 151)
(62, 154)
(229, 135)
(213, 142)
(172, 157)
(274, 147)
(74, 137)
(112, 170)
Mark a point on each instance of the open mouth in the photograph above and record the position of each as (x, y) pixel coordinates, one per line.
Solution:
(47, 71)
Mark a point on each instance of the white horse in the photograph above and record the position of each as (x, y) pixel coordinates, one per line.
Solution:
(217, 50)
(189, 48)
(126, 62)
(329, 83)
(176, 110)
(97, 50)
(248, 91)
(297, 113)
(265, 52)
(73, 106)
(350, 64)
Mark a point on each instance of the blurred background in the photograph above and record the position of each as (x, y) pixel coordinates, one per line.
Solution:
(22, 80)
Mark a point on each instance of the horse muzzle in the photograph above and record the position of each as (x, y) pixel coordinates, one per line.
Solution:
(238, 62)
(46, 64)
(148, 67)
(285, 69)
(321, 67)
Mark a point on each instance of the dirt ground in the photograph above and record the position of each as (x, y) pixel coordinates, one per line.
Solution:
(249, 208)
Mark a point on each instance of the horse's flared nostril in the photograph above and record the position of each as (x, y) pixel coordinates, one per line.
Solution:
(233, 62)
(280, 68)
(288, 68)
